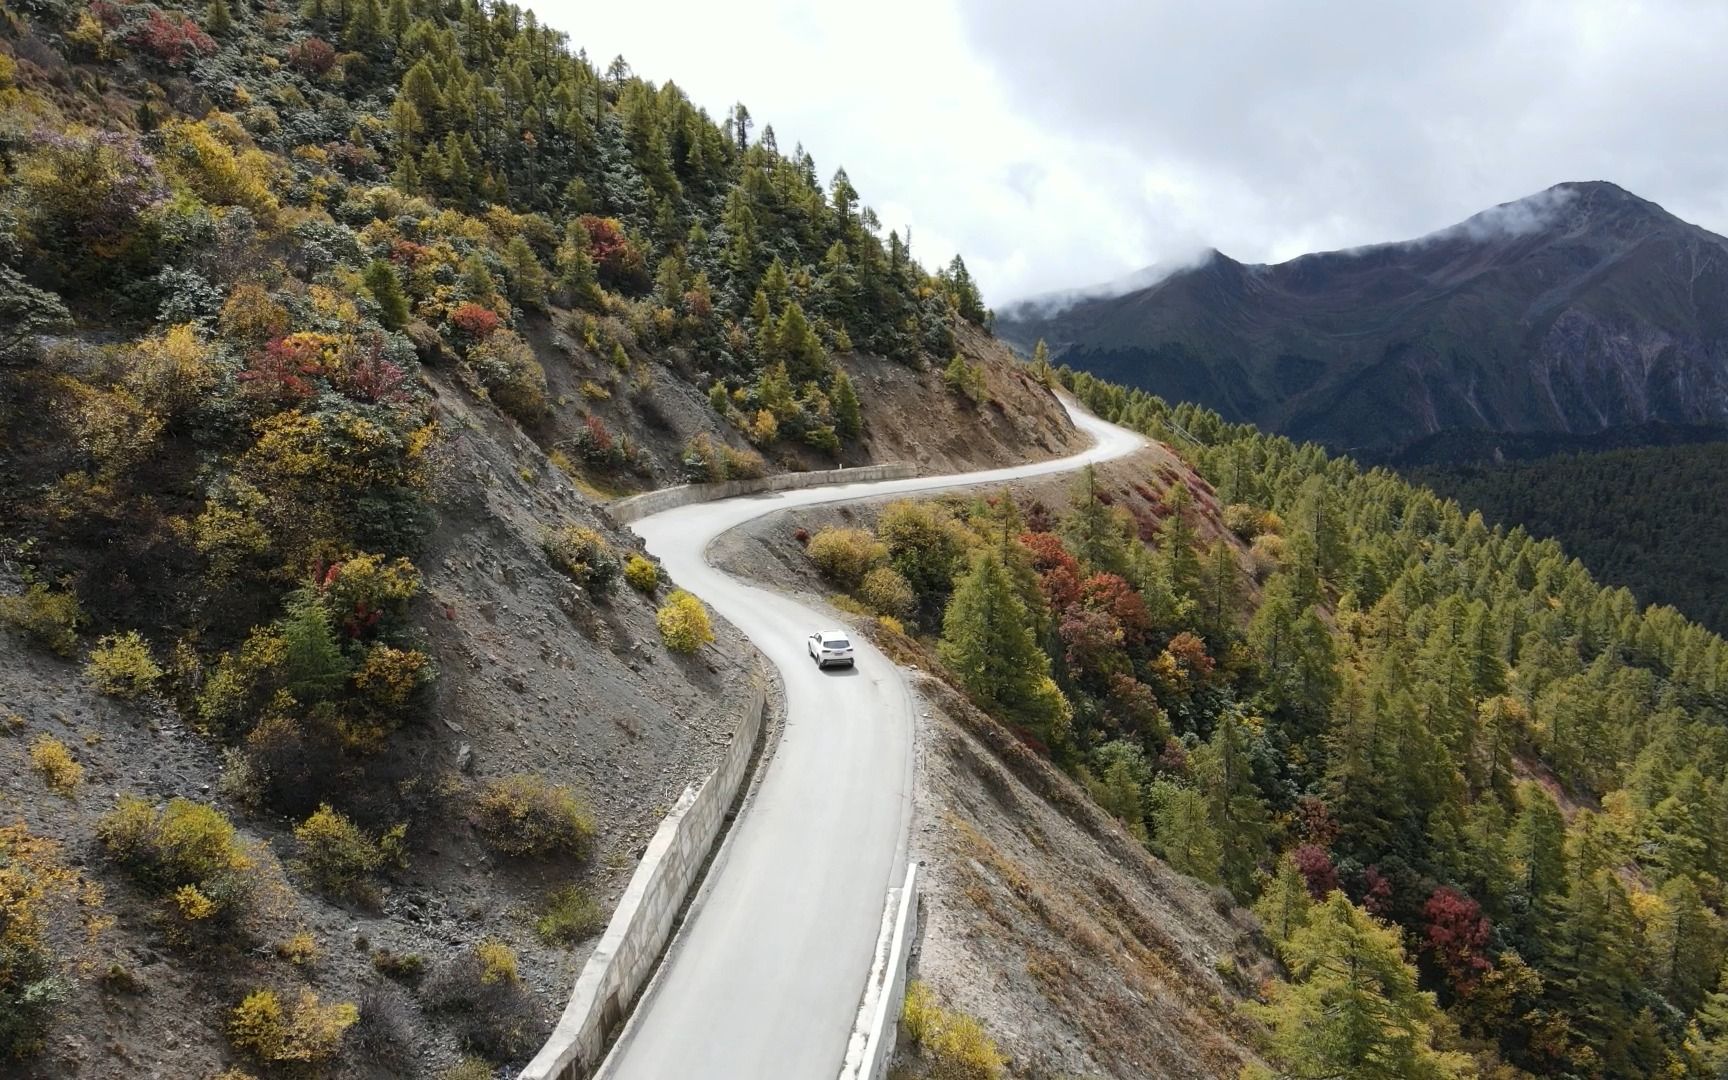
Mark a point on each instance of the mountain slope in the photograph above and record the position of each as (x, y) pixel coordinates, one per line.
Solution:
(1575, 310)
(1651, 518)
(320, 671)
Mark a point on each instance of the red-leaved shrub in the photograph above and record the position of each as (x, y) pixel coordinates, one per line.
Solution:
(173, 39)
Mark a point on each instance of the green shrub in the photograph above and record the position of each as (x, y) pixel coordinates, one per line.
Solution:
(684, 623)
(583, 554)
(338, 856)
(955, 1044)
(480, 993)
(306, 1034)
(121, 666)
(30, 987)
(571, 915)
(407, 968)
(887, 592)
(528, 817)
(642, 574)
(844, 556)
(965, 379)
(185, 850)
(49, 618)
(505, 366)
(54, 762)
(469, 1068)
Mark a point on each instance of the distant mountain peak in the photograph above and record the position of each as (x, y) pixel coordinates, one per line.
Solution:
(1574, 309)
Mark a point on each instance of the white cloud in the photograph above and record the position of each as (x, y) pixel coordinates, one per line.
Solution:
(1058, 146)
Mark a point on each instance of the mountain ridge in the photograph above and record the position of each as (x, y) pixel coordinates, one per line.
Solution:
(1579, 308)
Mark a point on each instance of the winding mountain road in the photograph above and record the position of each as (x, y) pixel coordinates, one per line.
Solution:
(764, 980)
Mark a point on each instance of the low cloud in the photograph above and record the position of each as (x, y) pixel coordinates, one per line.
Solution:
(1053, 146)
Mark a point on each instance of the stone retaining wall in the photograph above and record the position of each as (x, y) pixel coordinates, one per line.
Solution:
(645, 917)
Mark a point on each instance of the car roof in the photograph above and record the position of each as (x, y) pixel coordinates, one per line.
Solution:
(826, 634)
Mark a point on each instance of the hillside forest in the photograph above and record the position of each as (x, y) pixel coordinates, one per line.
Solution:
(235, 241)
(1477, 799)
(1647, 518)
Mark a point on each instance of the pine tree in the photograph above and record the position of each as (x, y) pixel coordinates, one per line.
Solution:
(1352, 1009)
(1041, 369)
(1238, 813)
(313, 667)
(1284, 906)
(848, 416)
(218, 19)
(987, 642)
(365, 27)
(1538, 849)
(1179, 544)
(798, 347)
(1092, 530)
(1184, 832)
(386, 290)
(527, 279)
(577, 278)
(1686, 946)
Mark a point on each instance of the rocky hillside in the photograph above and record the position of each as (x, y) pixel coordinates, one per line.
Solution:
(334, 711)
(1576, 310)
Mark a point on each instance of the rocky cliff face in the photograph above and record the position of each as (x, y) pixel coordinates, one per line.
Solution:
(1577, 310)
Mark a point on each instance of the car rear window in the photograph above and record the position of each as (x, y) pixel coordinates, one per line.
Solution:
(838, 643)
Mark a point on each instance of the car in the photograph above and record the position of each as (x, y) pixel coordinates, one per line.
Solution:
(830, 647)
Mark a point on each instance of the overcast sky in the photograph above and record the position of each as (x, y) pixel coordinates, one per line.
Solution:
(1061, 145)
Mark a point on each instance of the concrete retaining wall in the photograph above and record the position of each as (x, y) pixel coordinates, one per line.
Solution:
(883, 1027)
(643, 922)
(625, 511)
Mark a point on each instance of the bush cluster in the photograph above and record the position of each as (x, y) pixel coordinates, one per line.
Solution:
(583, 554)
(570, 915)
(684, 623)
(304, 1034)
(954, 1044)
(56, 765)
(340, 858)
(526, 816)
(121, 666)
(845, 555)
(46, 617)
(642, 574)
(185, 851)
(480, 993)
(706, 460)
(30, 985)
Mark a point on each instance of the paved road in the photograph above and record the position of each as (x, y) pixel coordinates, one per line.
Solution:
(765, 980)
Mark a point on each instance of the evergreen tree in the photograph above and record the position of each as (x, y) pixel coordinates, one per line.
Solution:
(1238, 813)
(313, 667)
(218, 18)
(1184, 831)
(386, 290)
(1284, 905)
(1041, 369)
(848, 417)
(527, 279)
(987, 642)
(1092, 530)
(1353, 1010)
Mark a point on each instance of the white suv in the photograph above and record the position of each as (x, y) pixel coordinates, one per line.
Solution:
(830, 647)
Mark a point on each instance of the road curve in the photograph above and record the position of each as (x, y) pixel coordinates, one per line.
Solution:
(764, 980)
